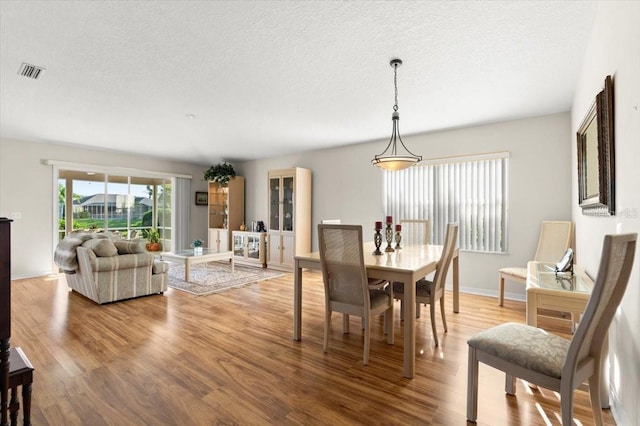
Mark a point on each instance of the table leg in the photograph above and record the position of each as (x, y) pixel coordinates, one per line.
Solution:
(233, 265)
(26, 402)
(187, 269)
(456, 285)
(297, 301)
(14, 406)
(532, 308)
(409, 328)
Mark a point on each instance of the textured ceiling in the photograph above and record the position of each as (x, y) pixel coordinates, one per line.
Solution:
(210, 81)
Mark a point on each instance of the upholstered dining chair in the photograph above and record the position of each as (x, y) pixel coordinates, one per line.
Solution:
(433, 291)
(551, 361)
(555, 238)
(345, 283)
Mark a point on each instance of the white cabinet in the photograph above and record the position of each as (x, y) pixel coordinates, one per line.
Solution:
(226, 212)
(250, 248)
(219, 239)
(289, 223)
(281, 250)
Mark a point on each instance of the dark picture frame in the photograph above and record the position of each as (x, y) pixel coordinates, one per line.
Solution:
(202, 198)
(596, 164)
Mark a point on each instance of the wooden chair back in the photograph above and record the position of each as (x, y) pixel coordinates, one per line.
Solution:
(415, 231)
(555, 239)
(450, 241)
(343, 269)
(616, 263)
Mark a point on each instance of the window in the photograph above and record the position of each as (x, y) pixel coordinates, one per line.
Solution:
(124, 204)
(471, 191)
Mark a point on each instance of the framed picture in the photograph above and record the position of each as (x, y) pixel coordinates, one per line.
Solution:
(596, 171)
(202, 198)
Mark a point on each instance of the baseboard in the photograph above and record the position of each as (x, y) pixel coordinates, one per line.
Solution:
(518, 297)
(36, 275)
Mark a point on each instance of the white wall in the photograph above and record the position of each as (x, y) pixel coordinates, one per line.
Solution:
(26, 186)
(614, 50)
(346, 186)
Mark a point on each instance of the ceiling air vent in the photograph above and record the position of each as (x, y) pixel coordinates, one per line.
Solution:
(30, 71)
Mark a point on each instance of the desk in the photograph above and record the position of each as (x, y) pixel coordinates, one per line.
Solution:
(407, 265)
(562, 292)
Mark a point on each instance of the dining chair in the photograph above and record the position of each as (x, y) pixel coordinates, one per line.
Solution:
(433, 291)
(551, 361)
(373, 282)
(415, 231)
(345, 283)
(555, 238)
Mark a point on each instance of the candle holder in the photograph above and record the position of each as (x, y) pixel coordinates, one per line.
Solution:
(377, 239)
(398, 239)
(389, 235)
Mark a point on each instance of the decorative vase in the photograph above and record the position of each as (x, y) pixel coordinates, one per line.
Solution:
(197, 250)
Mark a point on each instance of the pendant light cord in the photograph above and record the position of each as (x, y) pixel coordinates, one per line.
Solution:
(395, 84)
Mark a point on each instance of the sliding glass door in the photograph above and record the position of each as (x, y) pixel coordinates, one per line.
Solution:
(128, 205)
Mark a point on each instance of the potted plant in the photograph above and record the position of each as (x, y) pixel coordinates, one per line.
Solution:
(152, 235)
(197, 246)
(221, 173)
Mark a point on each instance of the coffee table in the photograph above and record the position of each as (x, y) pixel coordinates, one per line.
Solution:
(189, 257)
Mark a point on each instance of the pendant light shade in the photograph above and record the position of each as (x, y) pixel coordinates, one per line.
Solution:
(391, 158)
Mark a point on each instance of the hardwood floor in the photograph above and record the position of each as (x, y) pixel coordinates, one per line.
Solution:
(230, 359)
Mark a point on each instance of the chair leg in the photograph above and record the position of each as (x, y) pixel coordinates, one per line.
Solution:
(401, 309)
(510, 384)
(417, 310)
(388, 324)
(594, 394)
(367, 340)
(345, 324)
(472, 386)
(444, 319)
(500, 289)
(432, 311)
(566, 402)
(327, 327)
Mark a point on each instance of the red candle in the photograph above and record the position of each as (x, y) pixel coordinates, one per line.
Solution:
(389, 219)
(398, 228)
(378, 226)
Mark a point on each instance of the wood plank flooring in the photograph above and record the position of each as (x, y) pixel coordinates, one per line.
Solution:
(229, 359)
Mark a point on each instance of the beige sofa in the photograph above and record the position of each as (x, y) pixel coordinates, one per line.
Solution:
(108, 271)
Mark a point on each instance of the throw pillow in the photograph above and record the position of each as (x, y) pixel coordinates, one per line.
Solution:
(102, 247)
(129, 247)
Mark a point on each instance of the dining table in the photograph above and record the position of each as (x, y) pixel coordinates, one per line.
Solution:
(407, 265)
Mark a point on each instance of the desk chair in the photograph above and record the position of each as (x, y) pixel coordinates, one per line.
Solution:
(551, 361)
(346, 286)
(555, 239)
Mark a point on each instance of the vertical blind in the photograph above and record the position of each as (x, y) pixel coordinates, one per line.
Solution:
(181, 207)
(471, 191)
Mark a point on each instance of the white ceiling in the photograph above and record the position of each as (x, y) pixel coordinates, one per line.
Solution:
(265, 78)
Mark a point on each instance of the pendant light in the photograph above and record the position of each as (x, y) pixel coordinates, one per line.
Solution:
(391, 159)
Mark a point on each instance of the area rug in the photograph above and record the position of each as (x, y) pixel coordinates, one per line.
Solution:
(215, 277)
